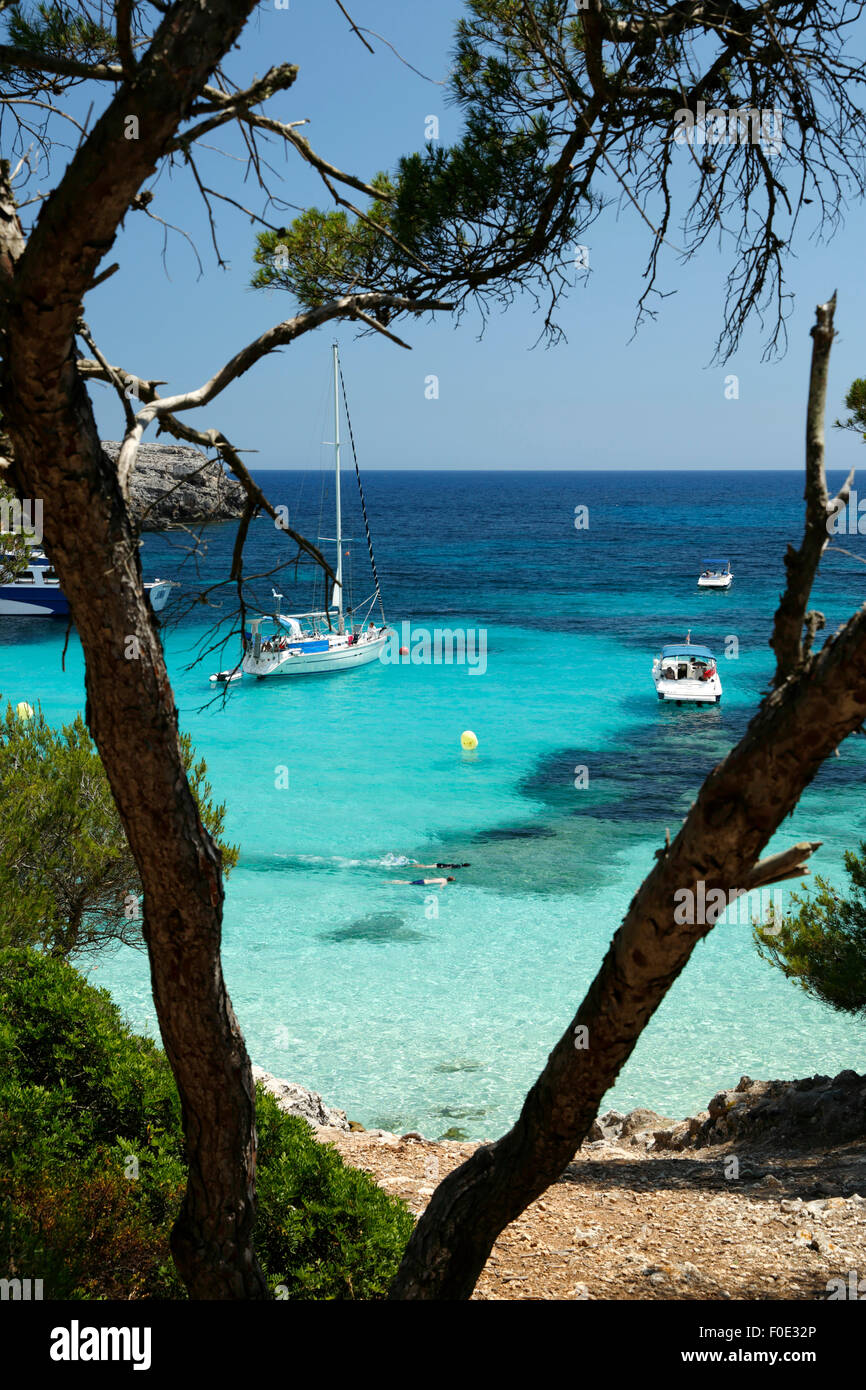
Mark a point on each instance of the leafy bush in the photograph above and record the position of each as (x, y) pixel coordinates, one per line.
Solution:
(68, 881)
(85, 1105)
(324, 1230)
(92, 1161)
(822, 944)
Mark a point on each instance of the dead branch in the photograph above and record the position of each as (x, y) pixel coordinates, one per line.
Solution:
(353, 25)
(123, 16)
(114, 379)
(790, 642)
(145, 390)
(788, 863)
(280, 335)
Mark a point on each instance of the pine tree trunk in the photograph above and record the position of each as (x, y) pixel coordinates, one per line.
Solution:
(130, 707)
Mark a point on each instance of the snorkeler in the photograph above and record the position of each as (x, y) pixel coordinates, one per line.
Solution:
(423, 882)
(401, 861)
(416, 865)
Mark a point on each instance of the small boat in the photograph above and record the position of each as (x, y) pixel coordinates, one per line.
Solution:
(159, 591)
(716, 574)
(685, 672)
(226, 677)
(327, 639)
(35, 591)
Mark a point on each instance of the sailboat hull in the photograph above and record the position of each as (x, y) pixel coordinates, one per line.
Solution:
(291, 650)
(294, 661)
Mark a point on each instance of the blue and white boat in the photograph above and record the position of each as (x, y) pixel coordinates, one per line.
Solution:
(686, 672)
(716, 574)
(36, 593)
(326, 640)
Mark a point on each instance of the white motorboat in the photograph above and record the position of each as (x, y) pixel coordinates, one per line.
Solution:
(159, 592)
(716, 574)
(686, 672)
(328, 639)
(35, 591)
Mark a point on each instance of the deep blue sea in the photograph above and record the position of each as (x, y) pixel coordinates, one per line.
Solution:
(427, 1010)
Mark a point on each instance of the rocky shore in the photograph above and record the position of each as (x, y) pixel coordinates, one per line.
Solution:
(760, 1196)
(297, 1100)
(175, 484)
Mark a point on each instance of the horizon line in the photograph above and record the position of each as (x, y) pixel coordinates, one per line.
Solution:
(457, 471)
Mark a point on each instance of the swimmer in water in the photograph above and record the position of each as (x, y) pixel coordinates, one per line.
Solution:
(416, 865)
(423, 882)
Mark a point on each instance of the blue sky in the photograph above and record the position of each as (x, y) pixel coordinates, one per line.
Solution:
(596, 401)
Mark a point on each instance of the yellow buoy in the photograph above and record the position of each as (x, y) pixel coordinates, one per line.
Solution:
(468, 741)
(23, 710)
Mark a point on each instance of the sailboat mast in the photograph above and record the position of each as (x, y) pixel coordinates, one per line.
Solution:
(339, 570)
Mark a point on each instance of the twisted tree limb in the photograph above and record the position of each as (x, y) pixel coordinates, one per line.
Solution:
(101, 370)
(130, 706)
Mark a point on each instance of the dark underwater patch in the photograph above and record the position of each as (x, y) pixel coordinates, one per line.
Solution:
(512, 832)
(460, 1064)
(461, 1112)
(380, 928)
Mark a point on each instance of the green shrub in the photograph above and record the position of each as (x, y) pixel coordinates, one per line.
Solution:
(92, 1161)
(324, 1230)
(62, 1036)
(821, 943)
(68, 881)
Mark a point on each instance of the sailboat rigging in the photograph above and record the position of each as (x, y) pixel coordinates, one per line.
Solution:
(292, 644)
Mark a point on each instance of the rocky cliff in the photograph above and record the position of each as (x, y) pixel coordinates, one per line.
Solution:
(175, 483)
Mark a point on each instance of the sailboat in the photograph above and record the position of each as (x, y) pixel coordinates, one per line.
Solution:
(299, 644)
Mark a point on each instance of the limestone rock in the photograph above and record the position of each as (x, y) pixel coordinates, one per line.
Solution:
(174, 483)
(607, 1126)
(297, 1100)
(641, 1122)
(781, 1115)
(635, 1128)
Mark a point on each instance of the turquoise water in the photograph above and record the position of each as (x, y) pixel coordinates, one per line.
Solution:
(424, 1009)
